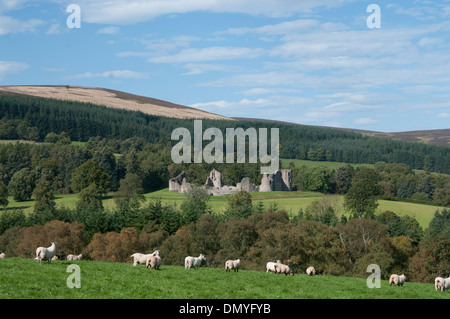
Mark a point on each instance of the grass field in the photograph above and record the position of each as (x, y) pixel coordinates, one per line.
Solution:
(26, 279)
(289, 201)
(333, 165)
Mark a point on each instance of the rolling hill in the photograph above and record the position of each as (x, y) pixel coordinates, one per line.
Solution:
(110, 98)
(152, 106)
(436, 137)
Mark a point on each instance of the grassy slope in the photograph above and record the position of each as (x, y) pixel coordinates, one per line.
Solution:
(25, 278)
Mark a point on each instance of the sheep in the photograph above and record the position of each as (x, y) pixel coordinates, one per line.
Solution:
(55, 257)
(397, 280)
(233, 264)
(154, 262)
(141, 259)
(311, 271)
(46, 253)
(270, 266)
(2, 256)
(194, 261)
(74, 257)
(437, 283)
(445, 284)
(283, 269)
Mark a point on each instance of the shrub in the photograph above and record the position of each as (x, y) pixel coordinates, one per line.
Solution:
(12, 218)
(10, 239)
(431, 260)
(116, 247)
(71, 237)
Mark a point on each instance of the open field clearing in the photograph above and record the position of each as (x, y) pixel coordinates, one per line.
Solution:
(289, 201)
(25, 278)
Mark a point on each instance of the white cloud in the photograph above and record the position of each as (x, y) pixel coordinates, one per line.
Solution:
(256, 91)
(200, 68)
(54, 29)
(135, 11)
(427, 42)
(208, 54)
(7, 5)
(226, 105)
(119, 74)
(109, 30)
(444, 115)
(366, 121)
(11, 25)
(53, 69)
(277, 29)
(9, 67)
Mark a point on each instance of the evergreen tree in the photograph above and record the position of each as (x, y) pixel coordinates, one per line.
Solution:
(195, 204)
(89, 173)
(44, 196)
(3, 195)
(239, 205)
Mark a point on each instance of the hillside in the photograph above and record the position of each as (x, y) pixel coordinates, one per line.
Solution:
(436, 137)
(151, 106)
(24, 278)
(110, 98)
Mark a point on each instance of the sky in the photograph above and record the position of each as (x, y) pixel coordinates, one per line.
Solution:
(314, 62)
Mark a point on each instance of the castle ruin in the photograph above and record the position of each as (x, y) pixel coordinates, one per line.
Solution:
(281, 180)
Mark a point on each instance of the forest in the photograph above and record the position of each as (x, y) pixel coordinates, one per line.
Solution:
(32, 118)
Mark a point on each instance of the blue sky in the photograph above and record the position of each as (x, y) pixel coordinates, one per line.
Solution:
(308, 62)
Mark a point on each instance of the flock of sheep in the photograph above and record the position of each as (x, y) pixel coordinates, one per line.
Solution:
(154, 261)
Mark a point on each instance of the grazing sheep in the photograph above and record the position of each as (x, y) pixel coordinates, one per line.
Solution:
(311, 271)
(2, 256)
(232, 264)
(283, 269)
(445, 284)
(46, 253)
(194, 261)
(270, 266)
(153, 261)
(55, 257)
(74, 257)
(141, 259)
(437, 283)
(397, 280)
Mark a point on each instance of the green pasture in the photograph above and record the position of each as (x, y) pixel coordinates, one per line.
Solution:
(291, 202)
(27, 279)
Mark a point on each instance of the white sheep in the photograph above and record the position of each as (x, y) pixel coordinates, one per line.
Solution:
(141, 259)
(55, 257)
(283, 269)
(397, 280)
(437, 283)
(270, 266)
(153, 261)
(445, 284)
(74, 257)
(2, 256)
(311, 271)
(46, 253)
(232, 265)
(194, 261)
